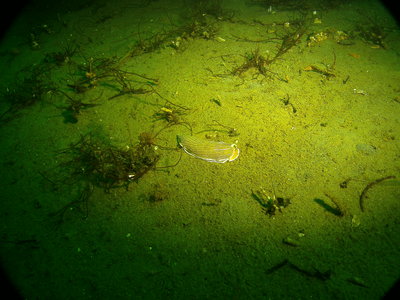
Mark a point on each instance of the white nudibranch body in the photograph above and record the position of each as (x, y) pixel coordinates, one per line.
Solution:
(212, 151)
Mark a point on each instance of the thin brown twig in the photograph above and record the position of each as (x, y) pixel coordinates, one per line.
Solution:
(369, 186)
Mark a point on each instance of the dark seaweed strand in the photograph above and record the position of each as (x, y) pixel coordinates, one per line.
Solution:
(338, 208)
(277, 267)
(370, 185)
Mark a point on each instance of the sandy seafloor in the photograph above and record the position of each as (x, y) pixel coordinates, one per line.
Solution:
(208, 238)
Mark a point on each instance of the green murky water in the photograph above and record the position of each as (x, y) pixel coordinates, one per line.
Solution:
(98, 200)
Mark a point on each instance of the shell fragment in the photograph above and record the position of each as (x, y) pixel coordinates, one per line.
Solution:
(211, 151)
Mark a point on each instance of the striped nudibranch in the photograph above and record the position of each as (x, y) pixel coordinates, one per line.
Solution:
(211, 151)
